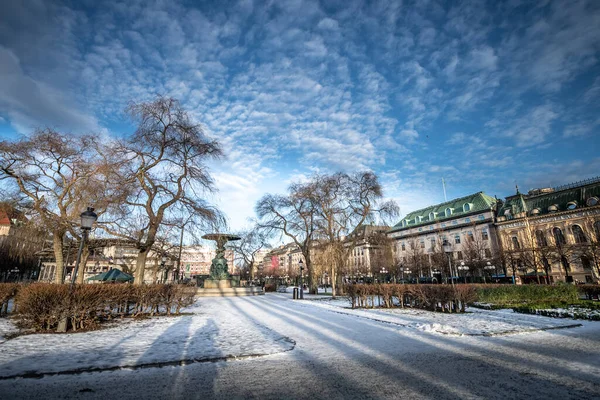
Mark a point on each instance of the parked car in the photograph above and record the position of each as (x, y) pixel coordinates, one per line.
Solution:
(282, 289)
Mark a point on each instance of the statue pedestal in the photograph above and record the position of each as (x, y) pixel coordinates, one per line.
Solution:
(217, 284)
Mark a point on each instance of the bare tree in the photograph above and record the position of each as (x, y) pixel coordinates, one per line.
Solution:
(163, 169)
(58, 176)
(292, 216)
(248, 247)
(344, 204)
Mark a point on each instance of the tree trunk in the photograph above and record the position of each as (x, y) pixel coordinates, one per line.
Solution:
(85, 254)
(57, 242)
(140, 266)
(333, 278)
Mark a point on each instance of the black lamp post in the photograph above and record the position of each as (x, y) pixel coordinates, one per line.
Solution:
(163, 261)
(448, 250)
(301, 265)
(465, 268)
(88, 218)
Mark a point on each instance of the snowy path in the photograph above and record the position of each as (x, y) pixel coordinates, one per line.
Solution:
(342, 356)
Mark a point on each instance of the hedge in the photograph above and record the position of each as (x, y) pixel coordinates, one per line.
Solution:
(41, 306)
(515, 295)
(444, 298)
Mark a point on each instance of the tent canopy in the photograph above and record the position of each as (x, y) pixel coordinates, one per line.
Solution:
(112, 275)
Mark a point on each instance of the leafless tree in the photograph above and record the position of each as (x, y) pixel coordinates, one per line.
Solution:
(164, 170)
(58, 175)
(292, 216)
(247, 248)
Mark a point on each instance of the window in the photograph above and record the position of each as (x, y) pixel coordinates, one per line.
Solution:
(559, 238)
(403, 247)
(508, 214)
(571, 205)
(470, 236)
(535, 211)
(420, 229)
(432, 243)
(459, 255)
(422, 244)
(448, 212)
(412, 245)
(484, 235)
(467, 220)
(431, 216)
(597, 230)
(592, 201)
(466, 207)
(541, 239)
(515, 243)
(455, 222)
(585, 263)
(488, 253)
(457, 239)
(480, 217)
(578, 234)
(553, 208)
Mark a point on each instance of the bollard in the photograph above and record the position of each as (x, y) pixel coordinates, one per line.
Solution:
(295, 294)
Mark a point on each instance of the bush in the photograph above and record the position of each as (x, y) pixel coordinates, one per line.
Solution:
(42, 306)
(443, 298)
(515, 295)
(270, 287)
(590, 291)
(7, 292)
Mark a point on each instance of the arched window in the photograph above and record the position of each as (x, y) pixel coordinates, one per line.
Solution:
(553, 208)
(571, 205)
(515, 243)
(466, 207)
(585, 263)
(535, 211)
(541, 239)
(578, 234)
(431, 216)
(448, 212)
(559, 238)
(508, 214)
(592, 201)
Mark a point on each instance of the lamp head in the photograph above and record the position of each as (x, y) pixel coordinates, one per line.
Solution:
(88, 218)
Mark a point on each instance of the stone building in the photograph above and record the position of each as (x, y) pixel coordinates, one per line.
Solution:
(553, 234)
(434, 241)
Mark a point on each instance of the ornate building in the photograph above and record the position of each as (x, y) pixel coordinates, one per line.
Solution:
(434, 241)
(553, 234)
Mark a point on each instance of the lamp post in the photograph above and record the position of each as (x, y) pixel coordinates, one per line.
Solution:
(448, 250)
(301, 265)
(163, 261)
(88, 218)
(383, 271)
(407, 271)
(463, 267)
(489, 267)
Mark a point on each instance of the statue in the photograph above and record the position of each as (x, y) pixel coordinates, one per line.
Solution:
(218, 268)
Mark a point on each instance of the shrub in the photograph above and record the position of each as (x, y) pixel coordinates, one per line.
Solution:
(590, 291)
(270, 287)
(42, 306)
(7, 292)
(509, 295)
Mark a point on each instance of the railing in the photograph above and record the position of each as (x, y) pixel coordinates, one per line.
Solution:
(577, 184)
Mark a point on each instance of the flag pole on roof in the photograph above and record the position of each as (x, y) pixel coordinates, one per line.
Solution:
(444, 186)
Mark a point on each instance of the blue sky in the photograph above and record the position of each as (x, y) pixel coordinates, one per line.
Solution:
(485, 95)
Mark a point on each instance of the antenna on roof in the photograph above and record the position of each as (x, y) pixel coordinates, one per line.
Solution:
(444, 186)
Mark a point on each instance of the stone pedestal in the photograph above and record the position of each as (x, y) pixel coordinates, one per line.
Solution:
(217, 283)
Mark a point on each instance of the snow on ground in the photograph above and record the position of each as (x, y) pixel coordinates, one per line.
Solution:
(216, 329)
(7, 328)
(475, 322)
(340, 355)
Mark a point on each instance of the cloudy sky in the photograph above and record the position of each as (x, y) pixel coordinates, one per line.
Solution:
(484, 95)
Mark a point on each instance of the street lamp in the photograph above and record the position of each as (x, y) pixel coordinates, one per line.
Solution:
(405, 270)
(163, 261)
(448, 250)
(488, 267)
(301, 265)
(88, 217)
(463, 267)
(383, 271)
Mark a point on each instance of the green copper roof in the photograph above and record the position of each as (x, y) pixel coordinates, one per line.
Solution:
(465, 205)
(520, 203)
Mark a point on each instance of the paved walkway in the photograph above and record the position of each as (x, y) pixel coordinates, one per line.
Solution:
(339, 356)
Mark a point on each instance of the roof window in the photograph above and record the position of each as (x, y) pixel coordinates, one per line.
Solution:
(592, 201)
(553, 208)
(571, 205)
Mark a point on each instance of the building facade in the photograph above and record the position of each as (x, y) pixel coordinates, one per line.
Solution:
(435, 241)
(553, 234)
